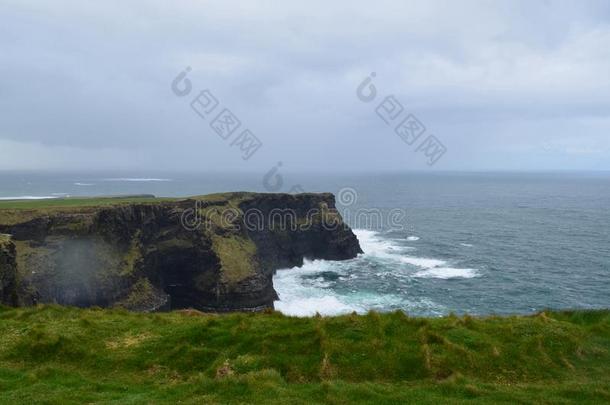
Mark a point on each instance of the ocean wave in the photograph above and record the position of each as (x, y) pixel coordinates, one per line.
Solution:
(302, 302)
(372, 281)
(84, 184)
(303, 296)
(422, 261)
(412, 238)
(312, 267)
(372, 244)
(446, 273)
(299, 298)
(308, 306)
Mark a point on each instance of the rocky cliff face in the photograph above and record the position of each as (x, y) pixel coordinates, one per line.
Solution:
(8, 272)
(216, 252)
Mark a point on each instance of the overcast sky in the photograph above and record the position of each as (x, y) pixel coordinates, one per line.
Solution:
(503, 85)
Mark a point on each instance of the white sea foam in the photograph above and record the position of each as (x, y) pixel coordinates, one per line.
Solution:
(422, 261)
(446, 273)
(314, 267)
(306, 291)
(466, 244)
(84, 184)
(29, 197)
(134, 179)
(298, 299)
(304, 306)
(373, 245)
(299, 296)
(412, 238)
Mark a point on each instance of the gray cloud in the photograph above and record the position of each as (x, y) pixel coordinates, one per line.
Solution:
(504, 84)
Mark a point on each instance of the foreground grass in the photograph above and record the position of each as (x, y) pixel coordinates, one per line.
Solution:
(52, 354)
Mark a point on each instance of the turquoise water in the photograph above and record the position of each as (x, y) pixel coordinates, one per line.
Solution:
(474, 243)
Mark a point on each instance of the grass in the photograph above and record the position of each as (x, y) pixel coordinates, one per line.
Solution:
(53, 354)
(237, 257)
(77, 202)
(17, 211)
(234, 198)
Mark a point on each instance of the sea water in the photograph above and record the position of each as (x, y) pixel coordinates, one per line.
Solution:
(477, 243)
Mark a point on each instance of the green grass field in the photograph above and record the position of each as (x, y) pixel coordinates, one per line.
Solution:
(77, 202)
(51, 354)
(15, 211)
(80, 202)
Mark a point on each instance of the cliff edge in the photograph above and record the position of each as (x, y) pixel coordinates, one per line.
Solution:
(213, 253)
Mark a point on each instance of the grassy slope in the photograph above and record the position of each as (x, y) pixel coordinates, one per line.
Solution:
(62, 355)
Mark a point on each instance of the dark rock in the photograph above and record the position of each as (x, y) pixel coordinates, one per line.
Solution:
(213, 253)
(8, 272)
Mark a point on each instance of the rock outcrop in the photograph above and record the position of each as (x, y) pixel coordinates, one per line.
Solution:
(214, 253)
(8, 272)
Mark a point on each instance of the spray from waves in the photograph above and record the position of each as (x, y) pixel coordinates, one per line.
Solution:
(374, 244)
(446, 273)
(412, 238)
(303, 292)
(300, 294)
(422, 261)
(372, 281)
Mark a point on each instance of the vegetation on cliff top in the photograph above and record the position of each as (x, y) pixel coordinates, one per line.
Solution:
(78, 202)
(75, 202)
(16, 211)
(52, 354)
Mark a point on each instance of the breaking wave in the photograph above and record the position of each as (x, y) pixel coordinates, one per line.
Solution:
(379, 279)
(446, 273)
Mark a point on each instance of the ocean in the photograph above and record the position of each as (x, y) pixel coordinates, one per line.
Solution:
(434, 243)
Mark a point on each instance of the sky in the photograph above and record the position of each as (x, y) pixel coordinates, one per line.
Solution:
(500, 85)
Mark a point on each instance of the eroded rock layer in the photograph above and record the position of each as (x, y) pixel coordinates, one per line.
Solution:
(216, 252)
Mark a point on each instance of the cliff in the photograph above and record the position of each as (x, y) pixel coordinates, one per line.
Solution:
(8, 272)
(214, 253)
